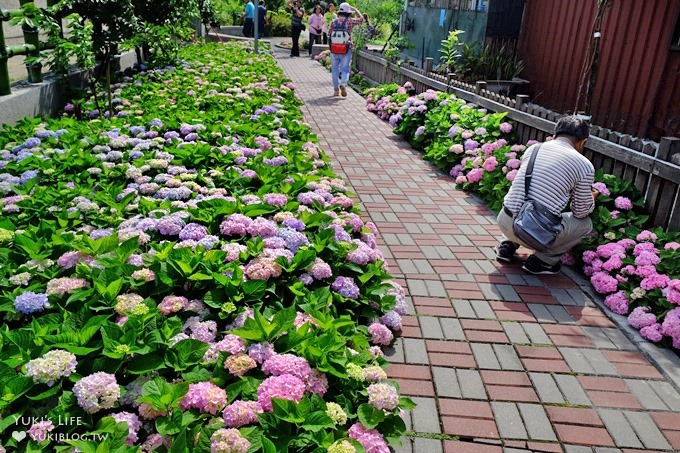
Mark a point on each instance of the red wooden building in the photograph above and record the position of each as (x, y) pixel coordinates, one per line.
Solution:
(637, 90)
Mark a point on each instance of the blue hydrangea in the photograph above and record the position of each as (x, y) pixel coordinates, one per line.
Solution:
(27, 176)
(294, 223)
(30, 302)
(32, 142)
(294, 239)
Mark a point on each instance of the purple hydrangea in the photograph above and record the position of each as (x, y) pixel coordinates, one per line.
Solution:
(346, 287)
(96, 392)
(30, 302)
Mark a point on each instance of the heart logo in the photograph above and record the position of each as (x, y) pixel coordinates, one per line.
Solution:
(19, 435)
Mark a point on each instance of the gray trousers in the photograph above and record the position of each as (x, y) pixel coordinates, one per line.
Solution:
(573, 231)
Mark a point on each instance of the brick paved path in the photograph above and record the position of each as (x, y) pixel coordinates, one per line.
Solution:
(497, 360)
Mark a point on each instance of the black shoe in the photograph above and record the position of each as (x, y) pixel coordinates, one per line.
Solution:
(505, 251)
(537, 267)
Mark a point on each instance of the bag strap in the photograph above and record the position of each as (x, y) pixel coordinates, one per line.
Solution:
(530, 170)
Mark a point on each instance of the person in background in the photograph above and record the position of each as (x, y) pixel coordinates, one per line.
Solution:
(370, 29)
(562, 174)
(340, 43)
(248, 15)
(315, 28)
(261, 19)
(296, 24)
(328, 17)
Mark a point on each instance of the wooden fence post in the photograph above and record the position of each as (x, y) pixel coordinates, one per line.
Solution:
(520, 100)
(479, 86)
(668, 148)
(429, 62)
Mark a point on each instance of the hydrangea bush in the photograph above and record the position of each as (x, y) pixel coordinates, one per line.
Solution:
(632, 267)
(190, 275)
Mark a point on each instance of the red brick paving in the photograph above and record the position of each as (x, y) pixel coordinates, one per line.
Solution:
(363, 149)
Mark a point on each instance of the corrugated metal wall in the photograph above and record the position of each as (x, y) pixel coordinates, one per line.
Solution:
(638, 74)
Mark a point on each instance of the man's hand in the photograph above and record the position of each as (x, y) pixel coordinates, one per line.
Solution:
(595, 194)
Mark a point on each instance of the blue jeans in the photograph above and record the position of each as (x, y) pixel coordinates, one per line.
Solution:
(340, 69)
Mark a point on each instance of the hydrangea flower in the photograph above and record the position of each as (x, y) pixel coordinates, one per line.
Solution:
(336, 413)
(285, 386)
(205, 397)
(346, 287)
(96, 392)
(133, 423)
(240, 413)
(279, 364)
(617, 302)
(30, 302)
(38, 432)
(623, 203)
(240, 364)
(383, 396)
(370, 439)
(51, 367)
(228, 441)
(380, 334)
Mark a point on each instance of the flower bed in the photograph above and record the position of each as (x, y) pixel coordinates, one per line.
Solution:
(635, 268)
(197, 283)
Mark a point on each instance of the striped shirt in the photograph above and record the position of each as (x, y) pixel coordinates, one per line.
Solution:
(560, 174)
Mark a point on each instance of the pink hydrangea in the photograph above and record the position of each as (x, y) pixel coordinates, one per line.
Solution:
(604, 283)
(568, 259)
(672, 246)
(602, 188)
(228, 441)
(672, 291)
(475, 175)
(285, 386)
(617, 302)
(611, 249)
(644, 247)
(641, 317)
(645, 271)
(490, 164)
(654, 281)
(260, 352)
(370, 439)
(646, 235)
(205, 397)
(240, 364)
(380, 334)
(653, 333)
(235, 224)
(647, 259)
(133, 423)
(383, 396)
(240, 413)
(39, 432)
(173, 304)
(588, 256)
(233, 344)
(317, 383)
(96, 392)
(671, 326)
(505, 128)
(279, 364)
(623, 203)
(321, 270)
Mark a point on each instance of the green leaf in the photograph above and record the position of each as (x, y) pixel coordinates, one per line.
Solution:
(369, 416)
(268, 446)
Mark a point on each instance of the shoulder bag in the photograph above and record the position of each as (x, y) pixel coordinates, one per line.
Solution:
(534, 224)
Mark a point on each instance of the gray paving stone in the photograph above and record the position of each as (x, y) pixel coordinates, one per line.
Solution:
(423, 267)
(599, 362)
(508, 420)
(395, 353)
(536, 422)
(668, 394)
(390, 239)
(484, 356)
(645, 394)
(619, 428)
(607, 450)
(516, 279)
(514, 450)
(435, 288)
(430, 327)
(426, 416)
(619, 339)
(581, 298)
(576, 360)
(599, 337)
(471, 384)
(490, 291)
(571, 389)
(416, 287)
(577, 449)
(536, 333)
(463, 240)
(486, 265)
(449, 239)
(541, 313)
(464, 309)
(405, 239)
(646, 430)
(452, 329)
(515, 333)
(446, 382)
(559, 314)
(507, 357)
(407, 266)
(546, 388)
(472, 267)
(533, 280)
(421, 444)
(482, 309)
(406, 446)
(414, 351)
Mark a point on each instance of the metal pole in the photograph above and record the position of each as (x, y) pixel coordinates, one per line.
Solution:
(256, 31)
(4, 70)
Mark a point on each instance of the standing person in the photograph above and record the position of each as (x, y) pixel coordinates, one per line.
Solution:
(261, 19)
(248, 16)
(561, 173)
(328, 17)
(340, 41)
(315, 28)
(296, 24)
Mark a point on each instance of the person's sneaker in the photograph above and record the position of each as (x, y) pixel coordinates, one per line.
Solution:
(537, 267)
(343, 91)
(336, 93)
(505, 251)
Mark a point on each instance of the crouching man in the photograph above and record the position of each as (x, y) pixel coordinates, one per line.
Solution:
(561, 176)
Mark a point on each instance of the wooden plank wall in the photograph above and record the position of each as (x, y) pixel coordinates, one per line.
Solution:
(646, 163)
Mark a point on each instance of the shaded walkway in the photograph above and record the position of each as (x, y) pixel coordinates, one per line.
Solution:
(497, 360)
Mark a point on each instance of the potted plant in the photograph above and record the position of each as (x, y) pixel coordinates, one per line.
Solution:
(497, 66)
(34, 68)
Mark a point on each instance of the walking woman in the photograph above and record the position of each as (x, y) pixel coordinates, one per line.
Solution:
(315, 28)
(340, 40)
(328, 17)
(296, 23)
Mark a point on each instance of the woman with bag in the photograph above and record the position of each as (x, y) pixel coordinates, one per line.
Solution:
(315, 28)
(296, 24)
(340, 41)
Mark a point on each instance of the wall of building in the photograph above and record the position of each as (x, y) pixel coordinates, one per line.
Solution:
(637, 85)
